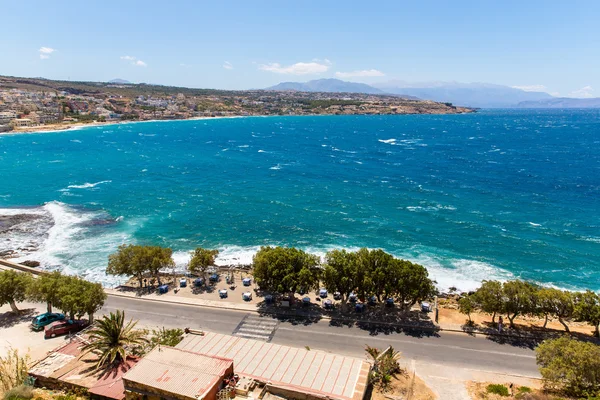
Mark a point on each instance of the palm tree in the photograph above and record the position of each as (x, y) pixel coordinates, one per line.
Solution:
(112, 340)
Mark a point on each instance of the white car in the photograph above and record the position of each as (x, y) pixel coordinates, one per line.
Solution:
(223, 293)
(247, 296)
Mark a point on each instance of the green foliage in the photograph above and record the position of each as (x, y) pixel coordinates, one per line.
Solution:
(13, 370)
(519, 299)
(498, 389)
(340, 274)
(138, 261)
(45, 289)
(556, 302)
(466, 305)
(524, 389)
(112, 340)
(77, 297)
(201, 260)
(489, 297)
(286, 269)
(329, 103)
(166, 337)
(570, 366)
(21, 392)
(385, 364)
(587, 309)
(13, 287)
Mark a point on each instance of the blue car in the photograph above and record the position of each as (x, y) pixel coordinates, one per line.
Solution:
(39, 322)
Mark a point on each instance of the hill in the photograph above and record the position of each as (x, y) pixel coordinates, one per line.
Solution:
(562, 102)
(483, 95)
(120, 81)
(327, 86)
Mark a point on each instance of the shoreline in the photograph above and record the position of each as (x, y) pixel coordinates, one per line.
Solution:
(50, 128)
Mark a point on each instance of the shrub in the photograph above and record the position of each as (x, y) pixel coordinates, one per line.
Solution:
(498, 389)
(570, 366)
(524, 389)
(21, 392)
(13, 370)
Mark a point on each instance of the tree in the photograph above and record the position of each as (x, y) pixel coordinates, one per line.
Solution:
(13, 287)
(93, 298)
(112, 340)
(166, 337)
(519, 299)
(340, 273)
(411, 283)
(570, 366)
(386, 364)
(466, 305)
(79, 297)
(137, 261)
(490, 298)
(376, 267)
(556, 302)
(587, 309)
(201, 260)
(45, 289)
(285, 269)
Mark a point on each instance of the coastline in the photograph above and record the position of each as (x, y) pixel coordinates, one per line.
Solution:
(80, 125)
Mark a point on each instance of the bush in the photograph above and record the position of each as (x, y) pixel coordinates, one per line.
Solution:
(498, 389)
(21, 392)
(570, 366)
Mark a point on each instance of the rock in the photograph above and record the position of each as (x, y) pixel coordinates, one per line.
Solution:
(31, 263)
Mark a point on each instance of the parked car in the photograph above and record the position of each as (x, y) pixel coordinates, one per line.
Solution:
(306, 301)
(425, 307)
(246, 296)
(199, 282)
(389, 302)
(359, 307)
(214, 278)
(269, 299)
(182, 282)
(372, 300)
(352, 298)
(328, 304)
(246, 281)
(64, 327)
(42, 320)
(323, 293)
(223, 293)
(162, 289)
(337, 296)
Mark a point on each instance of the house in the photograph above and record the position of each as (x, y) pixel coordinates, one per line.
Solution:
(22, 122)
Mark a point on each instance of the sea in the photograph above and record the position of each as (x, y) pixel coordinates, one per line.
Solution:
(498, 194)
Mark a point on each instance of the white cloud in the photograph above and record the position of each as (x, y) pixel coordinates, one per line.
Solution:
(45, 52)
(585, 92)
(360, 74)
(134, 61)
(227, 65)
(531, 88)
(300, 68)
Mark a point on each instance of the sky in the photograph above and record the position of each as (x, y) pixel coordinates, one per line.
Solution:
(550, 45)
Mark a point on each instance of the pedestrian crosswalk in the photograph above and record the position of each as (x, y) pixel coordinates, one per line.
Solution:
(255, 327)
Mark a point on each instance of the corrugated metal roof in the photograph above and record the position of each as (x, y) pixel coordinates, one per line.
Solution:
(311, 371)
(178, 371)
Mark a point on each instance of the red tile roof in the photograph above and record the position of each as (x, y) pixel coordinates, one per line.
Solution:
(110, 385)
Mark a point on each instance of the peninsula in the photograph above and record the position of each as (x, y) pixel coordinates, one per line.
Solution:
(35, 104)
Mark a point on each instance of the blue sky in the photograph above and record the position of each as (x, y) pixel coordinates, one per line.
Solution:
(549, 45)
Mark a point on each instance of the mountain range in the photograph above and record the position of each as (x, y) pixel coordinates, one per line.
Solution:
(483, 95)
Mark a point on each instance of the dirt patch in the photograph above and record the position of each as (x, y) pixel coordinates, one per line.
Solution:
(400, 389)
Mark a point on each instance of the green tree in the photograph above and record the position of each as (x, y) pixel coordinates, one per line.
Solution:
(93, 298)
(45, 289)
(137, 261)
(14, 287)
(519, 299)
(201, 260)
(79, 297)
(466, 305)
(570, 366)
(285, 269)
(112, 340)
(166, 337)
(340, 273)
(411, 283)
(377, 268)
(587, 309)
(490, 298)
(558, 303)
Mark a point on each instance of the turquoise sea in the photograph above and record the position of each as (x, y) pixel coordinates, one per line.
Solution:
(496, 194)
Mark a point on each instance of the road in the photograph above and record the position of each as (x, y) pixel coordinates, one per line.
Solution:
(450, 350)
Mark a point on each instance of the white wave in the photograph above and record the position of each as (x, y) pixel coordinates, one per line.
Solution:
(244, 146)
(276, 167)
(534, 224)
(87, 185)
(76, 141)
(437, 207)
(388, 141)
(261, 151)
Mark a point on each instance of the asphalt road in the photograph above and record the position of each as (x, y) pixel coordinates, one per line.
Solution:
(444, 348)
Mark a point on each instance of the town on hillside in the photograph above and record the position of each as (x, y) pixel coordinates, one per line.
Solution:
(40, 104)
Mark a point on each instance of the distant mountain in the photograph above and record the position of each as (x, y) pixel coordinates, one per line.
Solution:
(482, 95)
(327, 85)
(120, 81)
(562, 102)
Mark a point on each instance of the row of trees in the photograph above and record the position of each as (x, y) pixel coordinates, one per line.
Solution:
(365, 273)
(518, 297)
(72, 295)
